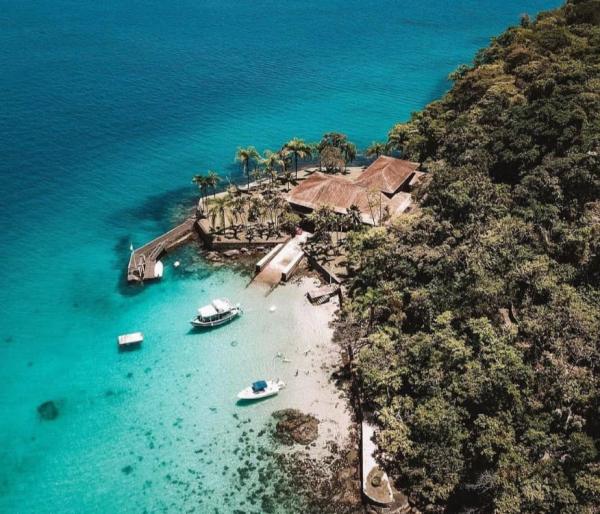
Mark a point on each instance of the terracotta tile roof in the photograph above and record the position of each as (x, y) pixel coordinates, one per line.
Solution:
(339, 194)
(387, 174)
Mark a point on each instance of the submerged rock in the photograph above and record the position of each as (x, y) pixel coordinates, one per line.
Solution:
(231, 253)
(293, 426)
(48, 410)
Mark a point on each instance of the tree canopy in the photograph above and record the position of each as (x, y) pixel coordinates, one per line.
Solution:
(478, 315)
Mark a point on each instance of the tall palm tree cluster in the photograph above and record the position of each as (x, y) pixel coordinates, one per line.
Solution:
(267, 210)
(273, 164)
(263, 215)
(206, 183)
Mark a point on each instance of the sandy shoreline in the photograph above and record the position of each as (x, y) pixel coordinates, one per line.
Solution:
(313, 358)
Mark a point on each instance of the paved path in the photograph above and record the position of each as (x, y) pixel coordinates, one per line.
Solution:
(381, 494)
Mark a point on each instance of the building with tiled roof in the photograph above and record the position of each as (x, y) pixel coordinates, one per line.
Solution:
(387, 174)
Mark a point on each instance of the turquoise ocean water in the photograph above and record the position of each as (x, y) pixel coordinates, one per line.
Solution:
(108, 108)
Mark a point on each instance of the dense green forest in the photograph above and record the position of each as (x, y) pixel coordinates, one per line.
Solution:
(479, 312)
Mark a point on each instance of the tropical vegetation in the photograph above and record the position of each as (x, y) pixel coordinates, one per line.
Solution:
(335, 151)
(475, 319)
(299, 150)
(376, 149)
(246, 157)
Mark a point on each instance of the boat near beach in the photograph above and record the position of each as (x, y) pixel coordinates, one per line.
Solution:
(218, 312)
(261, 389)
(158, 269)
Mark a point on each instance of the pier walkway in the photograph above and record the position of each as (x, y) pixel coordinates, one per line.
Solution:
(143, 261)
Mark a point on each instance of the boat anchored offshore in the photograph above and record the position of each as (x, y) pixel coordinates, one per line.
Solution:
(218, 312)
(261, 389)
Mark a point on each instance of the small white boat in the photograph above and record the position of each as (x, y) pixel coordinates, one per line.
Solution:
(158, 269)
(218, 312)
(261, 389)
(132, 340)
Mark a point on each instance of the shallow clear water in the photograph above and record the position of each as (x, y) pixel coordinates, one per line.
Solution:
(108, 108)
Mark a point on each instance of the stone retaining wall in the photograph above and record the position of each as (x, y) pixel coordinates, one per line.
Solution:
(212, 242)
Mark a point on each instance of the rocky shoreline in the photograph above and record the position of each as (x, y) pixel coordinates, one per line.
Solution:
(317, 470)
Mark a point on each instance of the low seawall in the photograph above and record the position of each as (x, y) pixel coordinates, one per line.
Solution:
(327, 274)
(218, 243)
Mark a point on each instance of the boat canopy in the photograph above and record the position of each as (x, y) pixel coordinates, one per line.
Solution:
(259, 385)
(207, 311)
(221, 305)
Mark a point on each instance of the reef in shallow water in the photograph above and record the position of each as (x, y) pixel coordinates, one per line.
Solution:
(294, 426)
(48, 410)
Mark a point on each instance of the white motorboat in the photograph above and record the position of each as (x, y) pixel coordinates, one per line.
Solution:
(261, 389)
(218, 312)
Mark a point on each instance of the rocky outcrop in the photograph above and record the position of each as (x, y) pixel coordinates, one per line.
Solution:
(293, 426)
(214, 257)
(48, 410)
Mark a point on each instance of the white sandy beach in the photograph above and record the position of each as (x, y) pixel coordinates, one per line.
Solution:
(313, 358)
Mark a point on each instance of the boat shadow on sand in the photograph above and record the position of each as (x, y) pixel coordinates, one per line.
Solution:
(248, 403)
(196, 331)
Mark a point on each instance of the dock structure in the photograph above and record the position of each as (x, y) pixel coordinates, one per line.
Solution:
(144, 262)
(262, 264)
(322, 294)
(284, 261)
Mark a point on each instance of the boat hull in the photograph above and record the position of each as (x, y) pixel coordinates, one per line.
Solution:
(249, 395)
(272, 389)
(215, 323)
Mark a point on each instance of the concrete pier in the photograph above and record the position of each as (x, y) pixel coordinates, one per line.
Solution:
(285, 261)
(143, 261)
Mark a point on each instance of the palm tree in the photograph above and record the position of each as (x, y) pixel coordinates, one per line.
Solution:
(256, 174)
(333, 139)
(349, 151)
(354, 217)
(332, 159)
(218, 209)
(276, 205)
(375, 150)
(314, 151)
(202, 183)
(339, 141)
(238, 209)
(213, 180)
(256, 209)
(287, 177)
(245, 156)
(399, 136)
(285, 157)
(322, 220)
(299, 149)
(270, 162)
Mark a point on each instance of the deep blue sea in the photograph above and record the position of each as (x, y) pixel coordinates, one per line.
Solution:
(107, 110)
